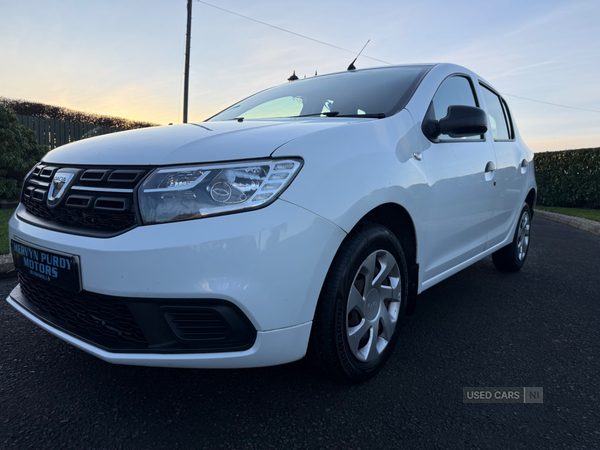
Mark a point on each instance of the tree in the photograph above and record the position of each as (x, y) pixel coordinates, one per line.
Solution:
(19, 152)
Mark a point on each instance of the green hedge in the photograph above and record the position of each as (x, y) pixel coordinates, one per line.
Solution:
(34, 109)
(569, 178)
(19, 152)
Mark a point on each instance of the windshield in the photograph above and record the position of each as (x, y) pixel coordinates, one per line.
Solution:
(378, 92)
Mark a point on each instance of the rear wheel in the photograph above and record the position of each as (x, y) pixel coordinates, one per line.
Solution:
(512, 257)
(361, 305)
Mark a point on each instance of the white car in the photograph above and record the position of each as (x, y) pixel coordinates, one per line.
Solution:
(303, 219)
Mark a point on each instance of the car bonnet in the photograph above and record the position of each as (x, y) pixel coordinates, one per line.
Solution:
(191, 143)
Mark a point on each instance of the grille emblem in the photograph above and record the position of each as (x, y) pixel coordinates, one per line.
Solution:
(59, 185)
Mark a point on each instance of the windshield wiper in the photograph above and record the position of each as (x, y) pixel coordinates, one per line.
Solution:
(328, 114)
(337, 114)
(373, 116)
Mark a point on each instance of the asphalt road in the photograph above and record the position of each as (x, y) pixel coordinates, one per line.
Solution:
(539, 327)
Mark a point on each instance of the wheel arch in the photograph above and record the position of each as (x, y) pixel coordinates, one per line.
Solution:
(531, 200)
(398, 220)
(329, 350)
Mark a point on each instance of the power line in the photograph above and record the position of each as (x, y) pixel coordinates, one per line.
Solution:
(291, 32)
(369, 57)
(553, 104)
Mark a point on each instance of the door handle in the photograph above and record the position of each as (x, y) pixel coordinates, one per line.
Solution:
(524, 163)
(490, 167)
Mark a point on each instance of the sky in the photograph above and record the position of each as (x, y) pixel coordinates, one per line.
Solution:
(126, 57)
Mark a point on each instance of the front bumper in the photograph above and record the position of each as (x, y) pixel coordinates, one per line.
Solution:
(270, 348)
(270, 264)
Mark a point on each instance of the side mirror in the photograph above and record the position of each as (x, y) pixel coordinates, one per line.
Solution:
(461, 121)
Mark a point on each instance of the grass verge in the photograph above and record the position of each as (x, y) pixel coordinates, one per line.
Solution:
(592, 214)
(4, 216)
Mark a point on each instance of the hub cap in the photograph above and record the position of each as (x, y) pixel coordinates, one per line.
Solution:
(373, 305)
(523, 238)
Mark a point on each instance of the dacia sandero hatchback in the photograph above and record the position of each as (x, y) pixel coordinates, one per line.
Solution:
(303, 219)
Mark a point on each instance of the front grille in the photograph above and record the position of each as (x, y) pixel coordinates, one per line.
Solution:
(97, 199)
(114, 221)
(99, 318)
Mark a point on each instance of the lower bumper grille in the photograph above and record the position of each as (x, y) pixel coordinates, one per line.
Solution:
(99, 318)
(140, 325)
(197, 323)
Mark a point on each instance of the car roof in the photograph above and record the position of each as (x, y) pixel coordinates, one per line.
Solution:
(392, 66)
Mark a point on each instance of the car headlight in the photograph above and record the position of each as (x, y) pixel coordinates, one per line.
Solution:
(191, 192)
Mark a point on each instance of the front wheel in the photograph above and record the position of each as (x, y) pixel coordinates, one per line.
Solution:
(512, 257)
(362, 303)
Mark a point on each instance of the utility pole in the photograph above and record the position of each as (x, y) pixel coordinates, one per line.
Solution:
(186, 81)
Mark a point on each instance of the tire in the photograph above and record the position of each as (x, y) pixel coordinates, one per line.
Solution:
(356, 327)
(512, 257)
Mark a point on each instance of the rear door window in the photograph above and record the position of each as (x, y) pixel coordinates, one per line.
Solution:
(497, 115)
